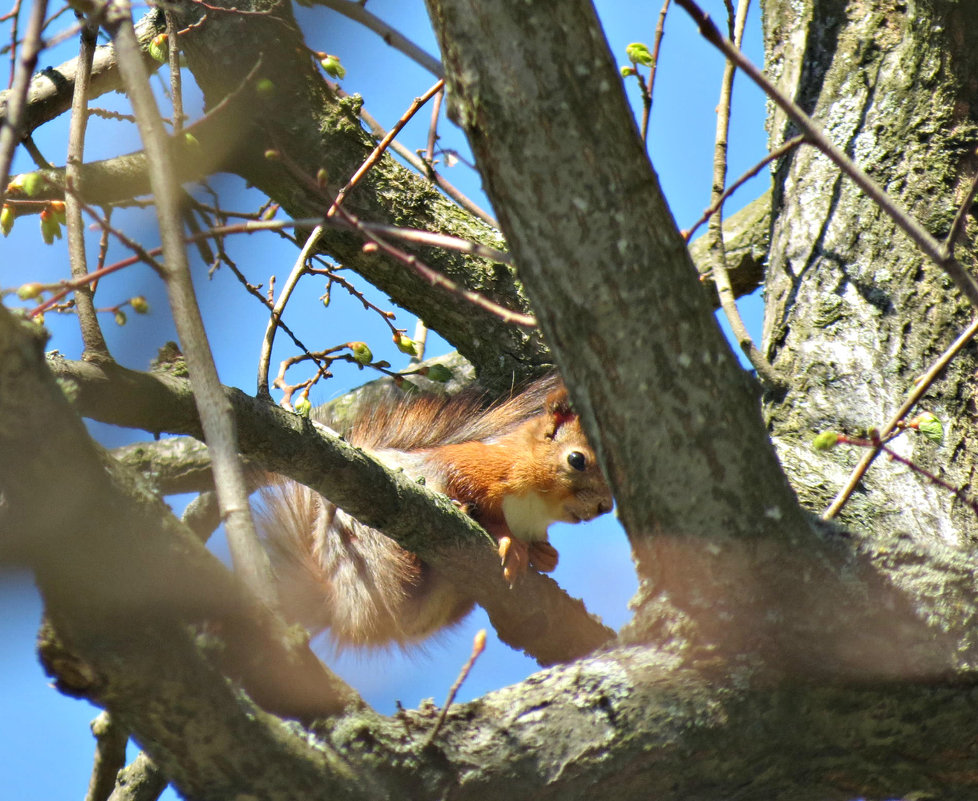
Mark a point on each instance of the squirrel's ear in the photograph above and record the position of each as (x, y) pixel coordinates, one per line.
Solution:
(558, 410)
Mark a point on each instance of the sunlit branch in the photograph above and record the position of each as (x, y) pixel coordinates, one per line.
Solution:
(382, 145)
(721, 277)
(273, 321)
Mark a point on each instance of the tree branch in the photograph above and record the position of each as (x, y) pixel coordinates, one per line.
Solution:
(102, 581)
(391, 36)
(110, 756)
(50, 91)
(317, 129)
(95, 347)
(938, 253)
(536, 616)
(13, 128)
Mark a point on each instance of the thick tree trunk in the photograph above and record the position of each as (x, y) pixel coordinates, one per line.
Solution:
(855, 313)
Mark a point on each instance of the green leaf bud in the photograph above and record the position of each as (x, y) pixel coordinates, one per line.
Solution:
(361, 353)
(929, 425)
(438, 372)
(50, 227)
(332, 66)
(29, 183)
(638, 53)
(30, 291)
(825, 441)
(159, 48)
(405, 344)
(57, 208)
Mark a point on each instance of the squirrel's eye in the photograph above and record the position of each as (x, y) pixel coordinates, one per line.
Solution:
(577, 460)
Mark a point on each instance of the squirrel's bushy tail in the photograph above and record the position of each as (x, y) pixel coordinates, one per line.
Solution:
(334, 572)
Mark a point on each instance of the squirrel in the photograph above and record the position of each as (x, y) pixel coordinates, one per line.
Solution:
(515, 467)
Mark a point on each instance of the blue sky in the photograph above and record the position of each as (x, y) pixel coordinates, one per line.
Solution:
(46, 743)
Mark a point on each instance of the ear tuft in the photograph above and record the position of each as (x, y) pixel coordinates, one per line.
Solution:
(559, 410)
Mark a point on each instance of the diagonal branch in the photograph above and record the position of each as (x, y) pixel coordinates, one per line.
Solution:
(110, 557)
(536, 616)
(50, 90)
(394, 38)
(250, 559)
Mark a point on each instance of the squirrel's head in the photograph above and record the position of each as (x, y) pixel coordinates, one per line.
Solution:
(576, 476)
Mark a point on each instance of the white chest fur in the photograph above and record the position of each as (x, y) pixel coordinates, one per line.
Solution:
(528, 516)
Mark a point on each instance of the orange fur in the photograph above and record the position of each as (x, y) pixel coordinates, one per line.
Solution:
(515, 467)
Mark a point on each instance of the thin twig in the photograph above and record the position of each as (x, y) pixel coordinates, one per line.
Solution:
(253, 226)
(35, 153)
(439, 241)
(395, 39)
(407, 234)
(300, 265)
(478, 646)
(144, 255)
(772, 156)
(429, 153)
(880, 444)
(200, 237)
(920, 388)
(13, 14)
(430, 173)
(176, 86)
(721, 278)
(273, 321)
(91, 331)
(67, 287)
(919, 235)
(381, 146)
(437, 279)
(957, 226)
(650, 83)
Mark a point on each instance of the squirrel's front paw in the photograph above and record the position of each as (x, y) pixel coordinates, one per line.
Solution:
(543, 556)
(514, 556)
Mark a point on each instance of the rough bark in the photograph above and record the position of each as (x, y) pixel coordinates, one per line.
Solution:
(854, 311)
(696, 481)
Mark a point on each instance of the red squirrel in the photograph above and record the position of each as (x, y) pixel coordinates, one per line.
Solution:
(515, 467)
